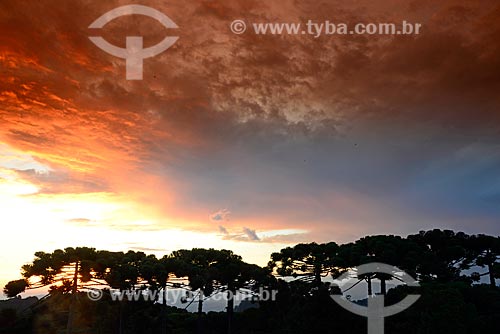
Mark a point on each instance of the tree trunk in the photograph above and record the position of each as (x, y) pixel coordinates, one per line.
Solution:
(369, 281)
(230, 309)
(383, 287)
(120, 320)
(200, 312)
(164, 326)
(317, 277)
(74, 290)
(492, 275)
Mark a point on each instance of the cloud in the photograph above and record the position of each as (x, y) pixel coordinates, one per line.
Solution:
(58, 182)
(251, 234)
(270, 236)
(82, 221)
(247, 235)
(220, 216)
(223, 230)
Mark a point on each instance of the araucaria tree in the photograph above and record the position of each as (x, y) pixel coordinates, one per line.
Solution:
(62, 270)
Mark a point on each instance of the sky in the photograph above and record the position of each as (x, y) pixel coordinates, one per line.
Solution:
(243, 141)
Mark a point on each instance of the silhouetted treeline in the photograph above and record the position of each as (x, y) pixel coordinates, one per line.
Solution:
(449, 266)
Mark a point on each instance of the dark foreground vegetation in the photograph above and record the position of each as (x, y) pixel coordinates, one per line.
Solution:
(456, 273)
